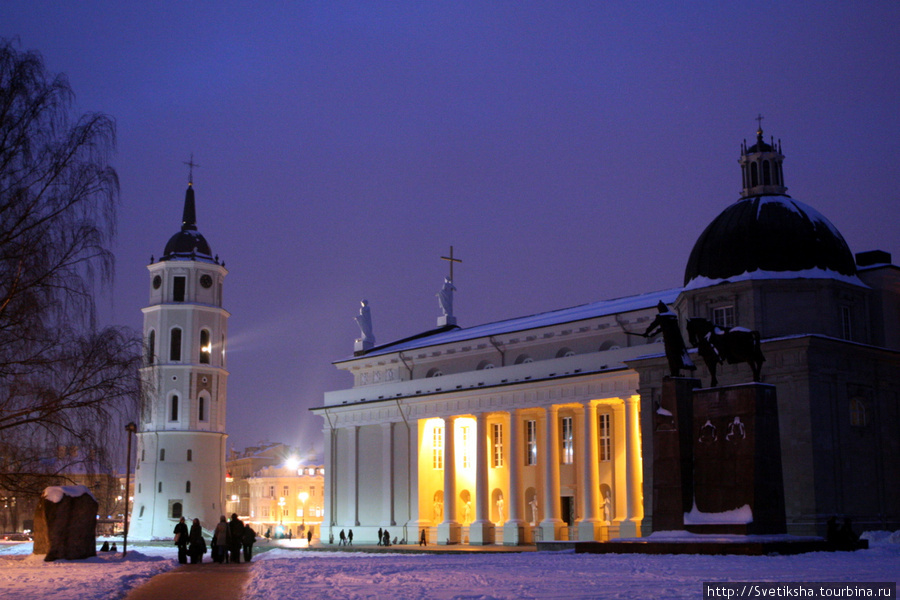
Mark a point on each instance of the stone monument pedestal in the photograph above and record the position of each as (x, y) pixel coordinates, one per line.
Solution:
(717, 459)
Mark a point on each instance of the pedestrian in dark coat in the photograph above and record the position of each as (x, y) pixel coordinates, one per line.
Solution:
(181, 540)
(422, 540)
(236, 529)
(220, 541)
(385, 538)
(309, 536)
(350, 538)
(379, 536)
(197, 546)
(247, 539)
(343, 537)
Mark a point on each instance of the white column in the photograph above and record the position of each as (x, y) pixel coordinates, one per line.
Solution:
(589, 523)
(330, 491)
(631, 526)
(449, 529)
(387, 474)
(513, 529)
(414, 524)
(551, 523)
(353, 472)
(481, 531)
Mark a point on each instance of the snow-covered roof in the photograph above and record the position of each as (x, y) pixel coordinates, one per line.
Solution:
(546, 319)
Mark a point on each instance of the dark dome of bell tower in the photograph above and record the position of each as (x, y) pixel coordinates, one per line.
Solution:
(188, 243)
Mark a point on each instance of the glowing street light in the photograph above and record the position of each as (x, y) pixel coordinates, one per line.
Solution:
(304, 496)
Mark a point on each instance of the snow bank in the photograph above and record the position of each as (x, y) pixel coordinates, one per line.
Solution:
(107, 575)
(740, 515)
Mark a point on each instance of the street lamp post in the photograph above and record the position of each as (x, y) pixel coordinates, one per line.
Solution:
(130, 428)
(303, 498)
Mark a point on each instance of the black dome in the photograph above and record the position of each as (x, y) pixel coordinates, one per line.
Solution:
(188, 243)
(771, 234)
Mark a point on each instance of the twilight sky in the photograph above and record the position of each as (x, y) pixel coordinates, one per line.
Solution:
(569, 151)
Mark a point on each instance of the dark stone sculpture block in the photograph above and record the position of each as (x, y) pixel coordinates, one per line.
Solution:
(65, 522)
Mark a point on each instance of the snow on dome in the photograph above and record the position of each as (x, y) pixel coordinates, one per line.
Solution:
(56, 493)
(768, 235)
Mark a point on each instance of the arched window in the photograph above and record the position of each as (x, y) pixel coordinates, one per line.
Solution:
(190, 455)
(151, 346)
(754, 175)
(201, 409)
(767, 174)
(187, 487)
(523, 359)
(162, 454)
(485, 365)
(176, 510)
(159, 488)
(565, 352)
(435, 372)
(173, 408)
(175, 344)
(205, 346)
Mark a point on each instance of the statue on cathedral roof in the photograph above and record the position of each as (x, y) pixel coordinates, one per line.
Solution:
(445, 297)
(364, 320)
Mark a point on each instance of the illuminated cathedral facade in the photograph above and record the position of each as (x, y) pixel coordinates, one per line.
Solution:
(540, 427)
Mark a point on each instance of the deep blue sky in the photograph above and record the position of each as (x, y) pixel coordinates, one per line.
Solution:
(570, 151)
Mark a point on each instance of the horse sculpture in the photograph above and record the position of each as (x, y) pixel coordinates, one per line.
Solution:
(720, 344)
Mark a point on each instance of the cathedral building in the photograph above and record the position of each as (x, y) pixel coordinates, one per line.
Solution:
(181, 434)
(540, 428)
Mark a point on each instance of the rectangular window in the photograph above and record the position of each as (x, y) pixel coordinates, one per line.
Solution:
(178, 289)
(846, 328)
(723, 316)
(530, 443)
(265, 511)
(465, 447)
(605, 438)
(497, 431)
(437, 447)
(285, 492)
(271, 491)
(568, 441)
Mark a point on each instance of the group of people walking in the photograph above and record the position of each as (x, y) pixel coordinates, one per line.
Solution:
(229, 538)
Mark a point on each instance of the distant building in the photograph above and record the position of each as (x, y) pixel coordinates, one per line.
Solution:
(181, 434)
(539, 427)
(268, 487)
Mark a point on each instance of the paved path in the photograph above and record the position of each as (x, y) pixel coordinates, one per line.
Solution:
(206, 581)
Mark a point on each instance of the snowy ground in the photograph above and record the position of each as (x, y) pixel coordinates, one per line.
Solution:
(284, 574)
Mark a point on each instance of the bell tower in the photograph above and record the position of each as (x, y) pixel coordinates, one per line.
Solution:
(181, 435)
